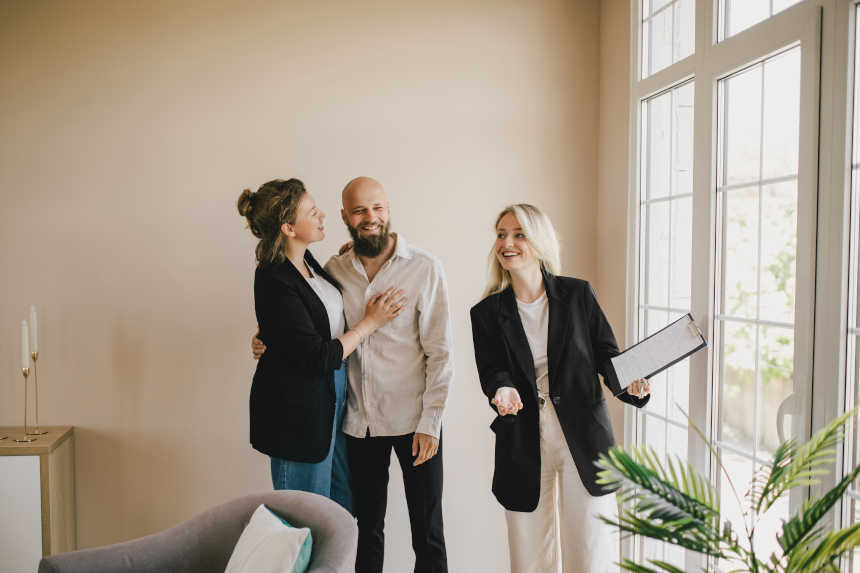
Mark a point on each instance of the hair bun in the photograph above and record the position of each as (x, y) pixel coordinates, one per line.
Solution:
(245, 203)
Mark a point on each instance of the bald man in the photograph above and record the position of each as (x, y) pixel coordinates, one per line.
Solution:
(399, 379)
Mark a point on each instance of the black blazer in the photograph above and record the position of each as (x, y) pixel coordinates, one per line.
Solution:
(293, 396)
(580, 341)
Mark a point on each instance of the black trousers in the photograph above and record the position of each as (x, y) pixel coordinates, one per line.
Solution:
(369, 460)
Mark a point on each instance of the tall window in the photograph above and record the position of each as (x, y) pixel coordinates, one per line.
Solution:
(757, 247)
(723, 203)
(666, 218)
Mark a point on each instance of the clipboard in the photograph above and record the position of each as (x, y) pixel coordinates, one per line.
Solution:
(653, 355)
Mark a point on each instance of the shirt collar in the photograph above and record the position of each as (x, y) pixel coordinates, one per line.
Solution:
(401, 248)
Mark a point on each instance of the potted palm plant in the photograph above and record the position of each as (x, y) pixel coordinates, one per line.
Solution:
(673, 503)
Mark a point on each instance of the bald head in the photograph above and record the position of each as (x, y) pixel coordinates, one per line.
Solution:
(362, 188)
(365, 212)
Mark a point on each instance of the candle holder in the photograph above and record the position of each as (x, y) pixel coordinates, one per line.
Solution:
(25, 438)
(35, 356)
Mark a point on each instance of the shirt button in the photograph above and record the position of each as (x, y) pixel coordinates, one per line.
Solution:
(556, 400)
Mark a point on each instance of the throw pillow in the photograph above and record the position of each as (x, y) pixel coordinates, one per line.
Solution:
(271, 545)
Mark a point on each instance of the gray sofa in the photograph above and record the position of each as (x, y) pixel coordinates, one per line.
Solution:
(204, 543)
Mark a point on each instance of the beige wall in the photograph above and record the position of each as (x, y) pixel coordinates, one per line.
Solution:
(127, 132)
(614, 153)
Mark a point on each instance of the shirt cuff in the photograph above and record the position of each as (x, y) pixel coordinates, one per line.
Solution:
(430, 426)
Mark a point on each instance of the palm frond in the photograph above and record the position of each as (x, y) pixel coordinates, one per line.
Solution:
(823, 556)
(682, 533)
(657, 491)
(803, 528)
(767, 474)
(798, 464)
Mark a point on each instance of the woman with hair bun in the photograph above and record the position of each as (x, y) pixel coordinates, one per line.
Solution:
(540, 341)
(298, 397)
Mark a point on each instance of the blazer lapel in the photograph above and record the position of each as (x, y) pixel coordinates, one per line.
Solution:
(515, 335)
(559, 319)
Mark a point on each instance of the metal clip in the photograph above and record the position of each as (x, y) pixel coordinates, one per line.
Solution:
(694, 330)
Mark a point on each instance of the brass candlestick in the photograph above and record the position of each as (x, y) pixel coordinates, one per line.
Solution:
(35, 356)
(25, 438)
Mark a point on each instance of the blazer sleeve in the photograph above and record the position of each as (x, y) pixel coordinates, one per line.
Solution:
(490, 370)
(291, 324)
(603, 344)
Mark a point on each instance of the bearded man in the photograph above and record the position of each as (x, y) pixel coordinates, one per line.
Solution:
(399, 379)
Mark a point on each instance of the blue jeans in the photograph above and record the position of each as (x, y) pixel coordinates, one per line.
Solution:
(331, 477)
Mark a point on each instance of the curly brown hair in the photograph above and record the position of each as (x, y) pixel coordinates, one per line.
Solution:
(274, 203)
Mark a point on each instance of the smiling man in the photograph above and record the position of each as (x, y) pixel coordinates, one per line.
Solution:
(399, 379)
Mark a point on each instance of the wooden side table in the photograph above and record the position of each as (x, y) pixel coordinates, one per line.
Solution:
(37, 496)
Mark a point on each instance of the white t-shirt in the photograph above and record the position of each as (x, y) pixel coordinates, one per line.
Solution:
(332, 300)
(535, 317)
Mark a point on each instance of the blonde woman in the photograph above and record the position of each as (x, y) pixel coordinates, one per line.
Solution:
(540, 342)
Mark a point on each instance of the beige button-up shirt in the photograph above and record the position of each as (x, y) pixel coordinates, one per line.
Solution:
(400, 376)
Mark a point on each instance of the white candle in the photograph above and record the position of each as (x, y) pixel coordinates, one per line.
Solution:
(34, 340)
(25, 345)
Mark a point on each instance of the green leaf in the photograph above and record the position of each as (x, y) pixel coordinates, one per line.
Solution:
(655, 491)
(796, 464)
(697, 538)
(824, 555)
(667, 566)
(803, 526)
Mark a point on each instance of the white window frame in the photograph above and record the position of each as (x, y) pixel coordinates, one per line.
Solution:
(825, 28)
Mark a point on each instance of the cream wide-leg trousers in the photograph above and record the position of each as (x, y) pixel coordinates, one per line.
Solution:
(564, 534)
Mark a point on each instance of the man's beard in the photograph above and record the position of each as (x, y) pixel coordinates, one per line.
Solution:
(370, 246)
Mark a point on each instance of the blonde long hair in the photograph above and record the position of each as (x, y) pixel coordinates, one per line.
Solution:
(542, 238)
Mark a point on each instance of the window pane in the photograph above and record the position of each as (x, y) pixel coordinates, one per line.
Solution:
(659, 144)
(769, 526)
(740, 252)
(682, 109)
(738, 15)
(668, 33)
(655, 435)
(742, 14)
(780, 5)
(678, 392)
(740, 471)
(778, 251)
(737, 390)
(660, 36)
(676, 442)
(685, 29)
(776, 365)
(651, 6)
(742, 100)
(657, 403)
(681, 254)
(655, 277)
(781, 115)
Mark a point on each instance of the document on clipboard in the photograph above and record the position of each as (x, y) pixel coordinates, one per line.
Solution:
(654, 354)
